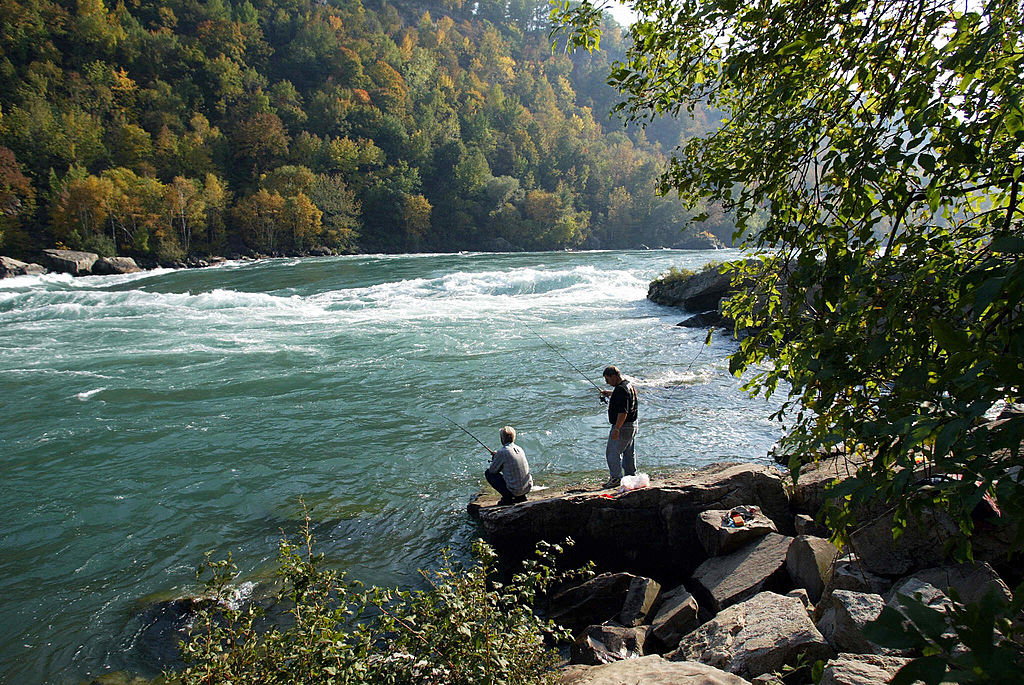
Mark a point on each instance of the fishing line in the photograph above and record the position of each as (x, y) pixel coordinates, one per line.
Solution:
(466, 432)
(555, 350)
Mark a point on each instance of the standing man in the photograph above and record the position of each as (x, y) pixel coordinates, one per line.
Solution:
(509, 472)
(622, 414)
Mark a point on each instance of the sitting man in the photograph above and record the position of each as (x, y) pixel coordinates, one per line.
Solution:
(509, 472)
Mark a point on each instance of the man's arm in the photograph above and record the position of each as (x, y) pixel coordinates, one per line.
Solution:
(619, 420)
(496, 462)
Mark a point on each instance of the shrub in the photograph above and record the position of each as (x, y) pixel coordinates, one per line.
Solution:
(674, 275)
(465, 628)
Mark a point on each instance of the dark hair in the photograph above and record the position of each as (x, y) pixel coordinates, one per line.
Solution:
(611, 371)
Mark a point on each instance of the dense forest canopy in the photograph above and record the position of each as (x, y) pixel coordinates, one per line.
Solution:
(167, 129)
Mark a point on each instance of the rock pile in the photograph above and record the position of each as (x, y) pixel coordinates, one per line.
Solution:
(708, 582)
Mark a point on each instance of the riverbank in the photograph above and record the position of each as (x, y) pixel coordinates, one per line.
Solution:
(686, 593)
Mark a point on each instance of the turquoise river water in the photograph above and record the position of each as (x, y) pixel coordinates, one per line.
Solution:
(145, 419)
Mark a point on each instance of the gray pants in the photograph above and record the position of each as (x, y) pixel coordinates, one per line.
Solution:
(620, 453)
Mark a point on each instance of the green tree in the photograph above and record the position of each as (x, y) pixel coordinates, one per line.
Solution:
(340, 212)
(301, 220)
(259, 215)
(885, 141)
(185, 207)
(137, 208)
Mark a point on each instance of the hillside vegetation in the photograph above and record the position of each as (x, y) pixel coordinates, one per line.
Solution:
(180, 128)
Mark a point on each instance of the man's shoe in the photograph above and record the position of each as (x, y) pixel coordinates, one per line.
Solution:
(505, 501)
(519, 499)
(612, 483)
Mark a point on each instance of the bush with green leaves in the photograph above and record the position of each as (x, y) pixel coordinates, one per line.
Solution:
(960, 643)
(675, 275)
(467, 627)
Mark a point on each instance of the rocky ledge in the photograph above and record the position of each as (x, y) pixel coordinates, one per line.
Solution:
(705, 578)
(652, 530)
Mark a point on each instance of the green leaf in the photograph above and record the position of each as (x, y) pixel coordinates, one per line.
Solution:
(929, 669)
(888, 631)
(948, 337)
(1008, 244)
(792, 48)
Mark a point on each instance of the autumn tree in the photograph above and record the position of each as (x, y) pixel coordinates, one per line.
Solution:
(17, 201)
(259, 215)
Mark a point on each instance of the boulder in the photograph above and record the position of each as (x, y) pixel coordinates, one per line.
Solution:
(649, 531)
(862, 669)
(848, 573)
(931, 597)
(705, 320)
(639, 600)
(12, 267)
(920, 546)
(808, 492)
(115, 265)
(806, 525)
(841, 618)
(809, 563)
(801, 594)
(700, 292)
(676, 617)
(970, 580)
(757, 636)
(70, 261)
(595, 601)
(718, 534)
(699, 240)
(605, 644)
(928, 594)
(649, 670)
(758, 566)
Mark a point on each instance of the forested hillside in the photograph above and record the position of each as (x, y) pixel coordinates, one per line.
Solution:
(179, 128)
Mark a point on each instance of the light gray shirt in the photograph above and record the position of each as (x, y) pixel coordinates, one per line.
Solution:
(510, 462)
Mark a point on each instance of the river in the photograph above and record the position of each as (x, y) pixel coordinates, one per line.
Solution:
(147, 418)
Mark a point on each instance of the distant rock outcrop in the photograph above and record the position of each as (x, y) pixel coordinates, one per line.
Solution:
(12, 267)
(701, 292)
(71, 261)
(702, 240)
(115, 265)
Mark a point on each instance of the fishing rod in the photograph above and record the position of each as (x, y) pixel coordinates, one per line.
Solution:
(466, 432)
(554, 349)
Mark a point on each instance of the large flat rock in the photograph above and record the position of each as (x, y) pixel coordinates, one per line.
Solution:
(921, 545)
(758, 566)
(843, 615)
(12, 267)
(862, 669)
(719, 535)
(649, 670)
(598, 600)
(650, 531)
(754, 637)
(70, 261)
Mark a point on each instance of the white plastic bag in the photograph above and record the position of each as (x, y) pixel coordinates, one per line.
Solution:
(640, 480)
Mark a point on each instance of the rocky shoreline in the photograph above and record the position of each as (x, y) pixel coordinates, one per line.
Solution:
(78, 263)
(687, 596)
